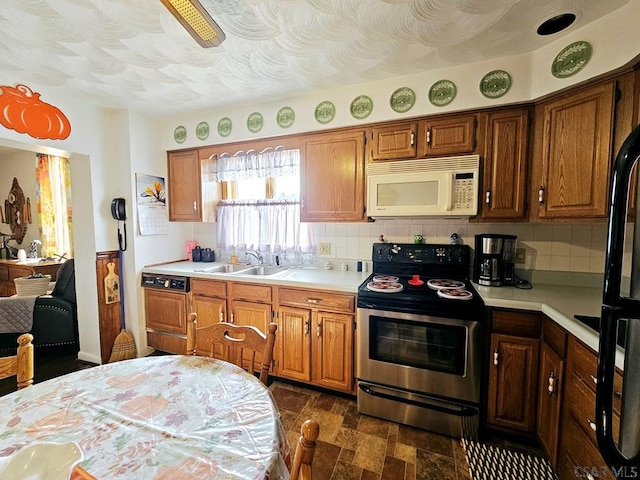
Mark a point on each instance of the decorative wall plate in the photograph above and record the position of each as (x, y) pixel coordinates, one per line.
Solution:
(285, 117)
(180, 134)
(254, 122)
(202, 130)
(571, 59)
(325, 111)
(361, 107)
(402, 100)
(495, 84)
(442, 93)
(224, 127)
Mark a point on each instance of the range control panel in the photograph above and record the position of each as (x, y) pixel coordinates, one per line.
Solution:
(169, 282)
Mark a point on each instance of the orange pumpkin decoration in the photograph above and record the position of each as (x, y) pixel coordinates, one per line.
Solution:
(22, 110)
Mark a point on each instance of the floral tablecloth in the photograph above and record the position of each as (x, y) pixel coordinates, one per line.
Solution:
(163, 417)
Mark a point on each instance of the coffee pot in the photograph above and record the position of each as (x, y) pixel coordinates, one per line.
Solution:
(494, 263)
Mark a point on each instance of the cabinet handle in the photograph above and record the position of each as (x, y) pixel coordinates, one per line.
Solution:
(313, 300)
(319, 329)
(413, 138)
(551, 389)
(589, 477)
(595, 380)
(591, 424)
(541, 195)
(306, 327)
(495, 357)
(487, 197)
(195, 206)
(232, 318)
(221, 316)
(429, 136)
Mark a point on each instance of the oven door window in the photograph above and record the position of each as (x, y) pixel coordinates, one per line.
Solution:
(430, 346)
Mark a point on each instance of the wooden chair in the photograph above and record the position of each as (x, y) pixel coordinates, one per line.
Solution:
(21, 364)
(236, 341)
(305, 449)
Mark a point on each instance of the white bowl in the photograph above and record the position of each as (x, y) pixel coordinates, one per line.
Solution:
(42, 461)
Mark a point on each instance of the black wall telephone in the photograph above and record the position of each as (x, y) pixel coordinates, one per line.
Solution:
(119, 212)
(118, 209)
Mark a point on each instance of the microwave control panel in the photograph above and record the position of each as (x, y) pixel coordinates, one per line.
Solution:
(463, 191)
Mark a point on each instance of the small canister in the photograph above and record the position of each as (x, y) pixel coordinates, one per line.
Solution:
(196, 254)
(208, 255)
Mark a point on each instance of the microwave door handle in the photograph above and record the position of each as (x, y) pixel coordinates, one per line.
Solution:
(449, 191)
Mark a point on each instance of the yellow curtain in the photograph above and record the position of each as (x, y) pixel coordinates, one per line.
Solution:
(53, 181)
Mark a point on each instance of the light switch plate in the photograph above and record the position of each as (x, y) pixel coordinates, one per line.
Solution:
(324, 249)
(521, 255)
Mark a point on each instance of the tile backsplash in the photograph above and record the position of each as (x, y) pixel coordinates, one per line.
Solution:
(549, 247)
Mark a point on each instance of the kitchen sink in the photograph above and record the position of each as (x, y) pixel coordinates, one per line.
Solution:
(224, 268)
(262, 270)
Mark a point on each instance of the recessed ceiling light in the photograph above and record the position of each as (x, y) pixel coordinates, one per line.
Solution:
(556, 24)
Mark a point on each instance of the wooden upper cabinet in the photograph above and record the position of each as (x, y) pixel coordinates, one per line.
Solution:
(576, 151)
(394, 142)
(192, 190)
(504, 186)
(332, 177)
(449, 136)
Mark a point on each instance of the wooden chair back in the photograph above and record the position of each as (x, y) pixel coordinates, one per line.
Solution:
(240, 343)
(21, 364)
(305, 449)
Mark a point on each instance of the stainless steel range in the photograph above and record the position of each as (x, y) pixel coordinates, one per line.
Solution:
(419, 339)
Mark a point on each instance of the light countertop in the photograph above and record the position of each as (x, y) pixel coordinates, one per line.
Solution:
(558, 302)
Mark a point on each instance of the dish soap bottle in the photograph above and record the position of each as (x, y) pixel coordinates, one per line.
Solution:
(233, 259)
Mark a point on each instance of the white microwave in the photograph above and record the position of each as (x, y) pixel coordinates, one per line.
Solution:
(425, 187)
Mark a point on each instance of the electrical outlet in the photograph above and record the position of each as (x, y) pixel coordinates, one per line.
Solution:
(521, 255)
(324, 249)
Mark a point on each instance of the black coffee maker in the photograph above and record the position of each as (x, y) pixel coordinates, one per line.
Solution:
(494, 263)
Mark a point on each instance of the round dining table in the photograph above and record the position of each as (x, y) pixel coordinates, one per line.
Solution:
(154, 418)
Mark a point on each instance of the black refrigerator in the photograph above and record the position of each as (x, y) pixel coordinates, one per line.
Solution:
(620, 311)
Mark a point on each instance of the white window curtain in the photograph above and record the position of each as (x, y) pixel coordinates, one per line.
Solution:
(270, 226)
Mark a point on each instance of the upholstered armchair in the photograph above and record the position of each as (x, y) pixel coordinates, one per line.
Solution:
(55, 320)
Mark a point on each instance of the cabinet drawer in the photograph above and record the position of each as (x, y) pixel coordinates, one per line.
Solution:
(517, 323)
(578, 456)
(318, 299)
(167, 343)
(253, 292)
(208, 288)
(554, 336)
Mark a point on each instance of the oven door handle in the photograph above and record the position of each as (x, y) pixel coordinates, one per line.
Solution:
(459, 410)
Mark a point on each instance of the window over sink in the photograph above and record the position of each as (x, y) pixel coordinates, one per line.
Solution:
(260, 206)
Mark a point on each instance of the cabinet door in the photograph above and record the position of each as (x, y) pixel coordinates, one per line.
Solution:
(333, 350)
(166, 311)
(209, 311)
(505, 165)
(184, 186)
(394, 142)
(576, 153)
(512, 382)
(293, 342)
(332, 177)
(256, 315)
(549, 401)
(450, 136)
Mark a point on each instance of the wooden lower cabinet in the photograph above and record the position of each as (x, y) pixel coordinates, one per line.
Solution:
(315, 338)
(166, 320)
(578, 454)
(11, 271)
(513, 371)
(209, 302)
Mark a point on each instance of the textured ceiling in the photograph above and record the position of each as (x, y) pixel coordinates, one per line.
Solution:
(133, 53)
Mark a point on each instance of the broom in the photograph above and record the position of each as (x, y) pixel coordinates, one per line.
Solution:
(124, 347)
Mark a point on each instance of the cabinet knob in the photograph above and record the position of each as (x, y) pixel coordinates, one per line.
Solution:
(495, 357)
(551, 389)
(315, 301)
(221, 316)
(195, 206)
(306, 327)
(232, 318)
(487, 197)
(413, 138)
(541, 195)
(319, 329)
(429, 136)
(591, 424)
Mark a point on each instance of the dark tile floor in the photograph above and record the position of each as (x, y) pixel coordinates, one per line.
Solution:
(358, 447)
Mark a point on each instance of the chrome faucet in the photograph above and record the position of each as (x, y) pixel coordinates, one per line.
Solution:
(257, 256)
